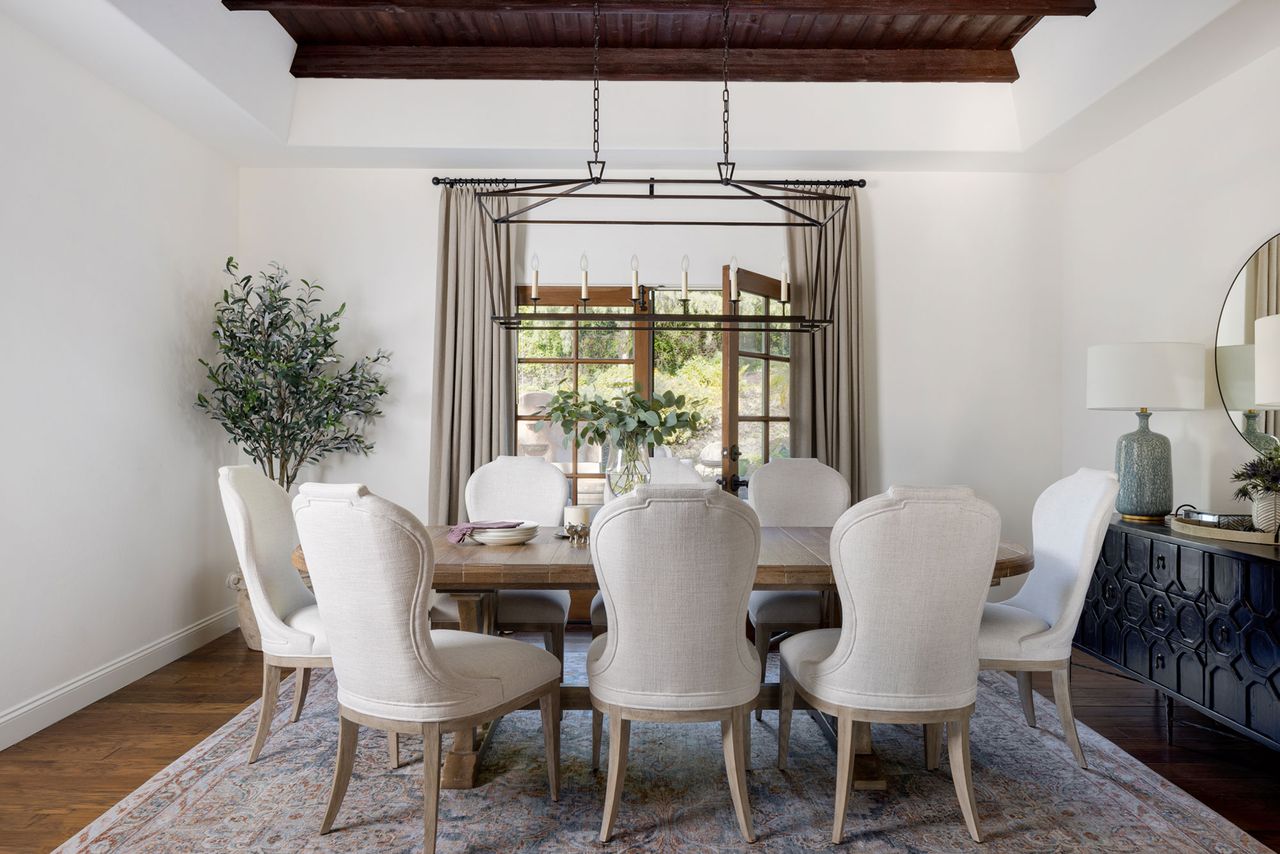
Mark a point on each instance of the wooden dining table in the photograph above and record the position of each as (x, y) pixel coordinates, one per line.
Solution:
(791, 558)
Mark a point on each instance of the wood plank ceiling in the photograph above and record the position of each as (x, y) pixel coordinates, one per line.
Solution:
(778, 40)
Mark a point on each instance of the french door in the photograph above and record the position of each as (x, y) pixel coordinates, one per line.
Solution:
(756, 390)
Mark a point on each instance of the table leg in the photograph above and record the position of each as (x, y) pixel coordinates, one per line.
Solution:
(462, 762)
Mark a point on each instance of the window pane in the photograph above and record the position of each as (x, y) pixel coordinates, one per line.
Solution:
(779, 389)
(606, 380)
(545, 343)
(590, 491)
(546, 443)
(779, 440)
(590, 458)
(779, 341)
(603, 341)
(750, 386)
(751, 446)
(751, 342)
(536, 383)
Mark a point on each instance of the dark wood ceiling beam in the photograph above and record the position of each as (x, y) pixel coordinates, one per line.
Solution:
(677, 7)
(506, 63)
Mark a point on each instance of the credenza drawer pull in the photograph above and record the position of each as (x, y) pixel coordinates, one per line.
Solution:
(1159, 661)
(1159, 611)
(1159, 561)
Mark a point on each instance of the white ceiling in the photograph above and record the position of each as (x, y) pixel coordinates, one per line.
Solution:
(1086, 82)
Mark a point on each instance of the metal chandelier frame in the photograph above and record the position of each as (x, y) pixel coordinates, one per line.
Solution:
(511, 201)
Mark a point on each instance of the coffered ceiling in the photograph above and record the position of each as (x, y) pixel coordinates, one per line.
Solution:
(770, 40)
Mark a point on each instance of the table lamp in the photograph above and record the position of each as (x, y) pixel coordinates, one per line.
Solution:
(1147, 377)
(1236, 381)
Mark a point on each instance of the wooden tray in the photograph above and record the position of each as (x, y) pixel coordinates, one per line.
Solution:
(1212, 532)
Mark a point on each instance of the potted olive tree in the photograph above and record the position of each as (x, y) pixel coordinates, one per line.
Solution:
(277, 384)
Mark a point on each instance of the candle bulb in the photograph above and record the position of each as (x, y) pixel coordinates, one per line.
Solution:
(533, 289)
(635, 277)
(733, 279)
(582, 265)
(786, 280)
(684, 277)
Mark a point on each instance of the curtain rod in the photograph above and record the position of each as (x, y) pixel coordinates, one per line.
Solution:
(789, 182)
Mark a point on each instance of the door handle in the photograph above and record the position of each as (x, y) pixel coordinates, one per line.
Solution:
(735, 483)
(733, 452)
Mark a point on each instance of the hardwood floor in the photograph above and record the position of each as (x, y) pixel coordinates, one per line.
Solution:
(63, 777)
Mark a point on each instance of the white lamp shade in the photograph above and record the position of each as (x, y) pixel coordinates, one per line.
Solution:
(1157, 376)
(1235, 376)
(1266, 379)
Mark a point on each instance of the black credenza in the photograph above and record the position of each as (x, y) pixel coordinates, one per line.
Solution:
(1197, 619)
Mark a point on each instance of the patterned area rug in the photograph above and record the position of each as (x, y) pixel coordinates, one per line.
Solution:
(1031, 796)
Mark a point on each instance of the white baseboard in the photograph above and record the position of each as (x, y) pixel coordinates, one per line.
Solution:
(24, 719)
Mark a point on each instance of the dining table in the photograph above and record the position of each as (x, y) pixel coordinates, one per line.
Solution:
(791, 558)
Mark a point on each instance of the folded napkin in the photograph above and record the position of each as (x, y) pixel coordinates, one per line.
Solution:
(459, 532)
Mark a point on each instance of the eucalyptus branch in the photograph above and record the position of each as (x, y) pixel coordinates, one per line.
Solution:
(661, 420)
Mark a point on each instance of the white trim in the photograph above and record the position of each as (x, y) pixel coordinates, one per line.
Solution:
(31, 716)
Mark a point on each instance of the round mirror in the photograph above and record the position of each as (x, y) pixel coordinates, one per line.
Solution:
(1254, 294)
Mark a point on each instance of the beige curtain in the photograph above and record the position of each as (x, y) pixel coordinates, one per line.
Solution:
(473, 406)
(826, 367)
(1262, 299)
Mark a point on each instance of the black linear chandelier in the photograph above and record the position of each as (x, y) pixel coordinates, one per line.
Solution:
(519, 202)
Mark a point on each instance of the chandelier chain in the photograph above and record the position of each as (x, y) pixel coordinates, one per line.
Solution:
(595, 90)
(724, 69)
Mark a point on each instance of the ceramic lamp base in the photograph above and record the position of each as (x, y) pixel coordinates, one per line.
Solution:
(1144, 464)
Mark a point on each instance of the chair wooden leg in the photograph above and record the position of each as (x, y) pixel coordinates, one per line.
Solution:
(346, 759)
(786, 703)
(430, 785)
(746, 737)
(619, 739)
(731, 734)
(932, 746)
(301, 682)
(1027, 698)
(762, 649)
(393, 749)
(1062, 696)
(270, 691)
(962, 773)
(597, 731)
(550, 705)
(844, 772)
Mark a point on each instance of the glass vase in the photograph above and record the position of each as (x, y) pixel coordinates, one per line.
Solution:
(626, 465)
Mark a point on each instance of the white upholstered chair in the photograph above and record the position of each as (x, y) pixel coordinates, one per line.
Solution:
(913, 568)
(529, 489)
(675, 564)
(1033, 630)
(371, 563)
(262, 530)
(662, 469)
(798, 492)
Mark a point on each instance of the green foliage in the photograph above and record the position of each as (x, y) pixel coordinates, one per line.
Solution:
(278, 389)
(624, 419)
(1259, 475)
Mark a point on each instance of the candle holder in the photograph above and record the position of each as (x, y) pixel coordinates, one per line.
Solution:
(640, 303)
(684, 304)
(534, 302)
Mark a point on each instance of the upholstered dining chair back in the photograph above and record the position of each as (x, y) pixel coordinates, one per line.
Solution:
(371, 564)
(517, 488)
(798, 492)
(1067, 527)
(262, 530)
(675, 564)
(913, 567)
(672, 470)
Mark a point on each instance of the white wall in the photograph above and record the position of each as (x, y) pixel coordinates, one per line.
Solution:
(113, 225)
(962, 284)
(1155, 229)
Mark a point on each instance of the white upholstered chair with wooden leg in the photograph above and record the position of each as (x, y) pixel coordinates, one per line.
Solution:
(1033, 630)
(798, 492)
(675, 565)
(528, 489)
(913, 567)
(371, 563)
(262, 530)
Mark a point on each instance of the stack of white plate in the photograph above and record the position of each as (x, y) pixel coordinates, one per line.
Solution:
(505, 536)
